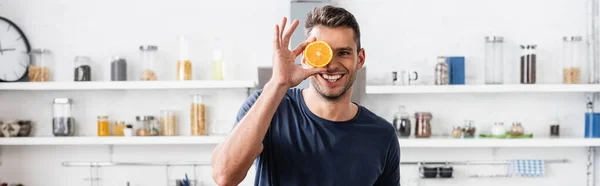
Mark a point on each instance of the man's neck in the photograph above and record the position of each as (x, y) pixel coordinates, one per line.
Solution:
(340, 109)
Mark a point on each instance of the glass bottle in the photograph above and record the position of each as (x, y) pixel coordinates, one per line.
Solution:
(469, 129)
(423, 124)
(442, 71)
(198, 116)
(143, 127)
(573, 57)
(42, 65)
(119, 127)
(153, 126)
(103, 126)
(494, 57)
(528, 64)
(168, 123)
(184, 65)
(402, 122)
(83, 71)
(63, 122)
(218, 63)
(149, 58)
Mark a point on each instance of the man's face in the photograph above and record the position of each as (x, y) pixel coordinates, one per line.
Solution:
(346, 61)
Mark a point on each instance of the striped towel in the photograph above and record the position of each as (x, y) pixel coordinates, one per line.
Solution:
(528, 168)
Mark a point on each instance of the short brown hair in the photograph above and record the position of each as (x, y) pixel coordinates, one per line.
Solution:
(332, 17)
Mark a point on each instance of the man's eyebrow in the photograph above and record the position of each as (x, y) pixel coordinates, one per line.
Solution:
(343, 49)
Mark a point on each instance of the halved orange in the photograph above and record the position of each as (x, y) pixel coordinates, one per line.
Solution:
(318, 54)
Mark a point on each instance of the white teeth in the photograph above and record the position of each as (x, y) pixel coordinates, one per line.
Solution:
(331, 78)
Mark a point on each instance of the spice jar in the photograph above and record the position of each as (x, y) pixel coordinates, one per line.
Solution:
(402, 122)
(457, 132)
(128, 131)
(42, 63)
(153, 124)
(184, 65)
(469, 129)
(498, 129)
(423, 124)
(528, 64)
(118, 129)
(143, 127)
(83, 71)
(149, 56)
(573, 57)
(198, 116)
(118, 69)
(103, 126)
(442, 72)
(168, 123)
(517, 129)
(63, 122)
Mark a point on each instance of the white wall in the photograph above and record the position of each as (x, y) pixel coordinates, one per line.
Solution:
(396, 34)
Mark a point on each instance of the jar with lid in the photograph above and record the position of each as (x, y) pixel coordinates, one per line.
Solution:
(83, 71)
(153, 124)
(198, 116)
(103, 126)
(442, 71)
(494, 60)
(118, 128)
(143, 126)
(63, 122)
(402, 122)
(168, 123)
(498, 129)
(42, 65)
(423, 124)
(517, 129)
(149, 58)
(573, 55)
(118, 69)
(528, 64)
(469, 129)
(184, 65)
(457, 132)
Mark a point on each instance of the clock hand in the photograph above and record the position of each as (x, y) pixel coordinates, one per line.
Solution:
(1, 53)
(7, 49)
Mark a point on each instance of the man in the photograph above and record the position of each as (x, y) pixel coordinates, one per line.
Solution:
(314, 136)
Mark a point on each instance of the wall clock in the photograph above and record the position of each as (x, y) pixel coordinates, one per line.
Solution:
(14, 52)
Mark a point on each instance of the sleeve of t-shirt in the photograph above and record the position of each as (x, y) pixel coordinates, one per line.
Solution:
(246, 106)
(391, 171)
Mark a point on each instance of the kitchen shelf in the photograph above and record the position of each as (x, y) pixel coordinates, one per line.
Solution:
(109, 140)
(126, 85)
(505, 88)
(434, 142)
(439, 142)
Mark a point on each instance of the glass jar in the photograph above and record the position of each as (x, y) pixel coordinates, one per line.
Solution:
(118, 69)
(442, 71)
(118, 129)
(143, 126)
(184, 65)
(168, 123)
(517, 129)
(198, 116)
(498, 129)
(469, 129)
(149, 58)
(423, 124)
(83, 71)
(42, 64)
(573, 56)
(103, 126)
(457, 132)
(494, 57)
(63, 123)
(153, 124)
(528, 64)
(402, 122)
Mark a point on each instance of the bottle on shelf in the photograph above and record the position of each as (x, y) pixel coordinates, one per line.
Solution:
(218, 64)
(573, 56)
(198, 116)
(103, 125)
(494, 57)
(528, 64)
(149, 58)
(63, 122)
(184, 65)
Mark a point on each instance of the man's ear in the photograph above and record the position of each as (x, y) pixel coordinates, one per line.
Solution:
(361, 59)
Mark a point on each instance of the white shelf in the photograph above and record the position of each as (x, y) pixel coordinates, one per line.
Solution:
(213, 140)
(126, 85)
(482, 143)
(134, 140)
(519, 88)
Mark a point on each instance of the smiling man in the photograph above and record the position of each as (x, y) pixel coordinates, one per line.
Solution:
(313, 136)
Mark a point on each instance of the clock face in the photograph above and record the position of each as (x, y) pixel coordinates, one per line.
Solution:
(14, 52)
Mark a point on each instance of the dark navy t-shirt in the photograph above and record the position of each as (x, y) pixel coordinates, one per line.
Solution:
(300, 148)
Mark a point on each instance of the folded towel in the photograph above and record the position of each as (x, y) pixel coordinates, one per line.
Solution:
(528, 168)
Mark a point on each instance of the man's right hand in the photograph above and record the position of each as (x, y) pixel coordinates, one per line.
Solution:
(285, 72)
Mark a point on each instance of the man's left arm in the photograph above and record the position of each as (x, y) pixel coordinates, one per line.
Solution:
(391, 171)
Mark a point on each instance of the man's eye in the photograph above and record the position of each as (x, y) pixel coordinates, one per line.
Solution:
(344, 53)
